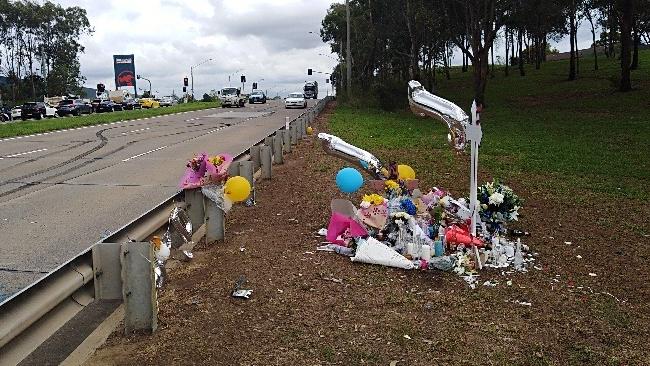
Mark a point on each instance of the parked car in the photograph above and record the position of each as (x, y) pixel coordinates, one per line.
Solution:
(167, 101)
(38, 110)
(295, 100)
(74, 107)
(108, 106)
(149, 103)
(16, 112)
(257, 97)
(131, 104)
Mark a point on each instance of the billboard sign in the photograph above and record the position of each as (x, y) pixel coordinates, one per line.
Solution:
(124, 71)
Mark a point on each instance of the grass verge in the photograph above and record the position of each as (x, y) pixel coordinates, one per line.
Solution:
(30, 127)
(582, 136)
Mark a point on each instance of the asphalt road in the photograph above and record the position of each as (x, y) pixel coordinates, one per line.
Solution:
(61, 191)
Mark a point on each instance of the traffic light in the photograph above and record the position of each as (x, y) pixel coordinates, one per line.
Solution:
(309, 71)
(243, 79)
(185, 82)
(184, 89)
(327, 81)
(254, 85)
(101, 88)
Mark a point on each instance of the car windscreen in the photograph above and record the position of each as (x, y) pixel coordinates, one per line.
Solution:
(229, 91)
(65, 102)
(295, 95)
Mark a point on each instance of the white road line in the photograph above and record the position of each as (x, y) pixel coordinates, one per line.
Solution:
(140, 130)
(24, 153)
(144, 153)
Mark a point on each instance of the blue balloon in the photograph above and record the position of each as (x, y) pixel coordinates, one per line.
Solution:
(349, 180)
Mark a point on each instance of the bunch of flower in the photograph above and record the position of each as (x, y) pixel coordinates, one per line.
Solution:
(408, 206)
(498, 204)
(372, 199)
(197, 162)
(393, 188)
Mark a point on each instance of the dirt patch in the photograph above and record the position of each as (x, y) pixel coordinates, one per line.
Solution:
(312, 308)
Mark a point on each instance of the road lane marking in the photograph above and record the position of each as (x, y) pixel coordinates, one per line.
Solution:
(144, 153)
(23, 153)
(140, 130)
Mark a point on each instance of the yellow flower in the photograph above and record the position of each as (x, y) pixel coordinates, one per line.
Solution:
(373, 199)
(216, 160)
(391, 184)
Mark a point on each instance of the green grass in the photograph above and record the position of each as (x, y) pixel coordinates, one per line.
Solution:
(576, 137)
(32, 126)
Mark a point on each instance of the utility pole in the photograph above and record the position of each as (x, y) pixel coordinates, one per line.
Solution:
(348, 56)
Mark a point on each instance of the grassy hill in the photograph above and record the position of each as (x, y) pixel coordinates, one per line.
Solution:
(583, 136)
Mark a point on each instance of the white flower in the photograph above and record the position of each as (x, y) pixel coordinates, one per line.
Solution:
(514, 215)
(496, 199)
(365, 204)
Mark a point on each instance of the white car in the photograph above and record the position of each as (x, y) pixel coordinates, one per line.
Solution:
(15, 112)
(167, 102)
(295, 100)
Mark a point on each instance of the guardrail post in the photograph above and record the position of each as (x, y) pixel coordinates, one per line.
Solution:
(286, 140)
(294, 134)
(277, 147)
(255, 157)
(303, 128)
(233, 169)
(268, 141)
(215, 222)
(246, 171)
(265, 157)
(138, 287)
(195, 209)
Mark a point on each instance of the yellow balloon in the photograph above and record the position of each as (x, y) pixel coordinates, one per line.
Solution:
(310, 131)
(405, 172)
(237, 188)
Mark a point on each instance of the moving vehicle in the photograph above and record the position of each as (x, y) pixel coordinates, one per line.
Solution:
(167, 101)
(38, 110)
(149, 103)
(295, 100)
(131, 104)
(75, 107)
(108, 106)
(231, 97)
(16, 112)
(257, 96)
(311, 90)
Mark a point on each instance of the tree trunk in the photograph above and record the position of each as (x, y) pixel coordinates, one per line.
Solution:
(522, 71)
(635, 52)
(507, 52)
(480, 71)
(572, 59)
(492, 53)
(626, 44)
(575, 38)
(611, 18)
(593, 37)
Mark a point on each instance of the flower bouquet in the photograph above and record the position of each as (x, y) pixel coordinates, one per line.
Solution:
(202, 170)
(499, 205)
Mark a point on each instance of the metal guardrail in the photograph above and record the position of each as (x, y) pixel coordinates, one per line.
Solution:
(32, 315)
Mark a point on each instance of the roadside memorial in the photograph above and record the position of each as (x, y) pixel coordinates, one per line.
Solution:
(398, 225)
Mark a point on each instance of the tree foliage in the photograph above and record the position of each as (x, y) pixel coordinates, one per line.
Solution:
(393, 41)
(39, 48)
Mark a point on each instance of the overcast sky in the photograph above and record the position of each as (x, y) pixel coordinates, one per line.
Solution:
(265, 39)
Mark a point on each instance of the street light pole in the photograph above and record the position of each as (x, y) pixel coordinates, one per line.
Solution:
(192, 73)
(140, 77)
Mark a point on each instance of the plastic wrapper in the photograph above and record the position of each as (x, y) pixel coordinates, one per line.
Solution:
(215, 194)
(372, 251)
(342, 227)
(446, 264)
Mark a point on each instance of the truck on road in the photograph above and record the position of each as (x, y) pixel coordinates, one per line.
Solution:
(231, 97)
(311, 90)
